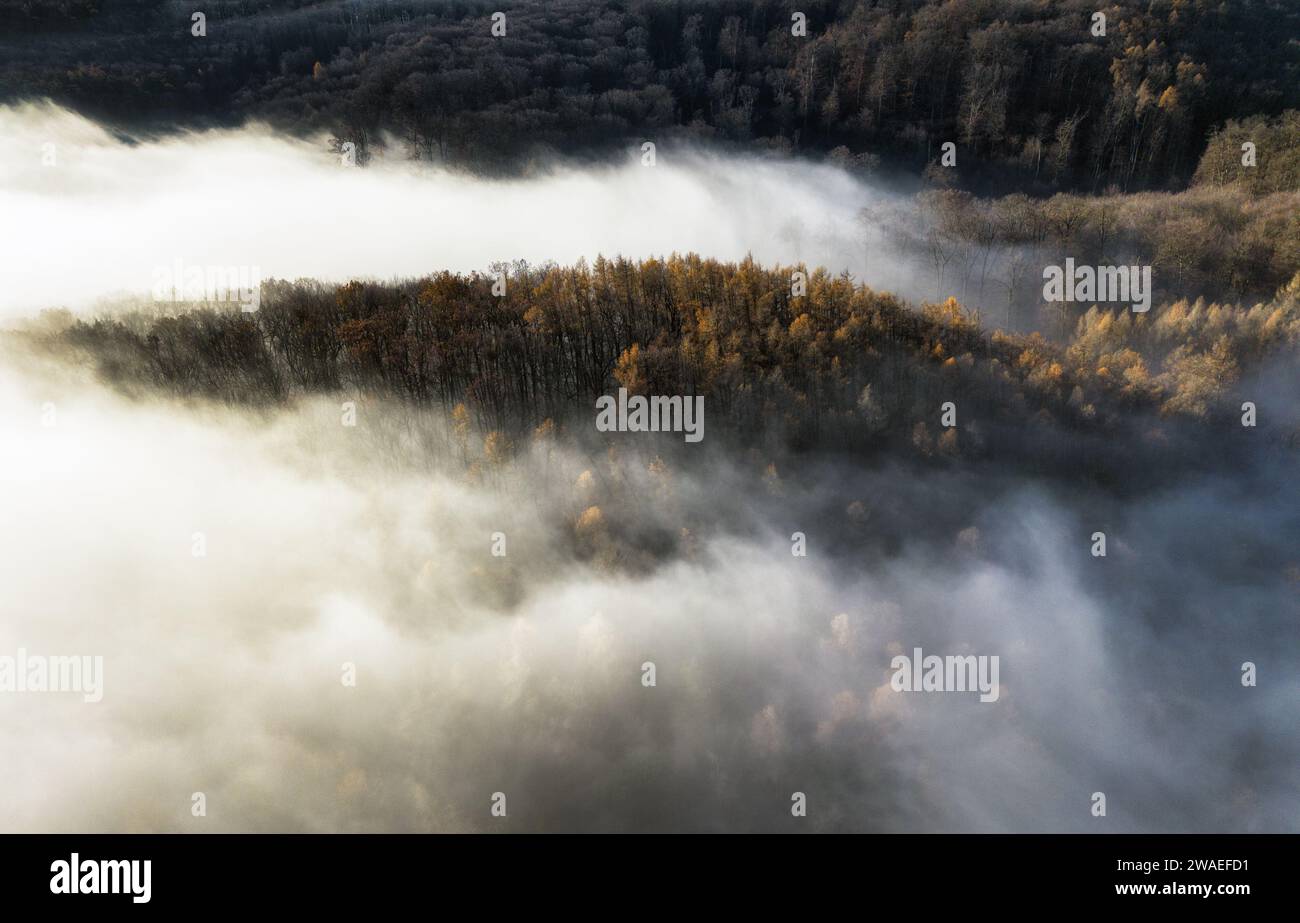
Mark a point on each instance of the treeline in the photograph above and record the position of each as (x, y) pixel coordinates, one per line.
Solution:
(1027, 90)
(1212, 240)
(840, 367)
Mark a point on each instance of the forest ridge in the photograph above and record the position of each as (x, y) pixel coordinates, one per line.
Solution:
(841, 366)
(1036, 100)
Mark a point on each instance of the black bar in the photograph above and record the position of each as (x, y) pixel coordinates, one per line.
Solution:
(640, 874)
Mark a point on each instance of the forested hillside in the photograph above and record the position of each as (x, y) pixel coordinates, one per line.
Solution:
(1026, 89)
(1217, 241)
(841, 367)
(404, 435)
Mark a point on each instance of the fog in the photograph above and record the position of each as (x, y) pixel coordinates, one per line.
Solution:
(110, 210)
(523, 674)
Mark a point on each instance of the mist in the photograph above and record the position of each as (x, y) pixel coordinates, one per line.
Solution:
(110, 210)
(327, 546)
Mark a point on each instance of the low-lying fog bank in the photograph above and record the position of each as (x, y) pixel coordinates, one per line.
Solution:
(319, 546)
(89, 214)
